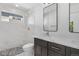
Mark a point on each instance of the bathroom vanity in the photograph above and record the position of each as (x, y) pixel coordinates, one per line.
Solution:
(47, 48)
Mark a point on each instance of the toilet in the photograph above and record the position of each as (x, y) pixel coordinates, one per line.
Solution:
(29, 48)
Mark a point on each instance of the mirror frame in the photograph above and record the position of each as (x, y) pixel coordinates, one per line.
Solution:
(69, 19)
(56, 18)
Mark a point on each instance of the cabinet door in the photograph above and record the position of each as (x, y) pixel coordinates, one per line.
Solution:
(40, 47)
(37, 50)
(74, 52)
(68, 51)
(44, 51)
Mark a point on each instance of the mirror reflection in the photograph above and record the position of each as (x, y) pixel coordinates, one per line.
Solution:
(50, 18)
(74, 17)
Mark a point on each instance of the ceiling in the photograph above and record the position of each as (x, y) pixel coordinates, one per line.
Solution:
(25, 7)
(21, 6)
(28, 5)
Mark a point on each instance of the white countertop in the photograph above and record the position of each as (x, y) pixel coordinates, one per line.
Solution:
(74, 43)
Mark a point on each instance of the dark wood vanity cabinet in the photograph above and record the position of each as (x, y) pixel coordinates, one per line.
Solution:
(45, 48)
(40, 47)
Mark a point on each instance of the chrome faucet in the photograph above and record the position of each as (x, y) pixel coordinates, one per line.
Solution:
(47, 33)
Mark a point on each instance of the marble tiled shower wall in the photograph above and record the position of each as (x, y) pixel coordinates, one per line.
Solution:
(11, 52)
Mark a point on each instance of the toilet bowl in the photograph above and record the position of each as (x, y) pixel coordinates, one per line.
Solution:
(29, 48)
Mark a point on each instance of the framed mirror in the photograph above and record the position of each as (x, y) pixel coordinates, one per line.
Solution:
(50, 18)
(74, 17)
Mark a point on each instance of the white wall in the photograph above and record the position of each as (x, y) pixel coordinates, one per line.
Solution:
(63, 22)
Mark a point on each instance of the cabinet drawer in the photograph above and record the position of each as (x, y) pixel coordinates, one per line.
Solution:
(40, 42)
(61, 47)
(62, 52)
(52, 53)
(57, 48)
